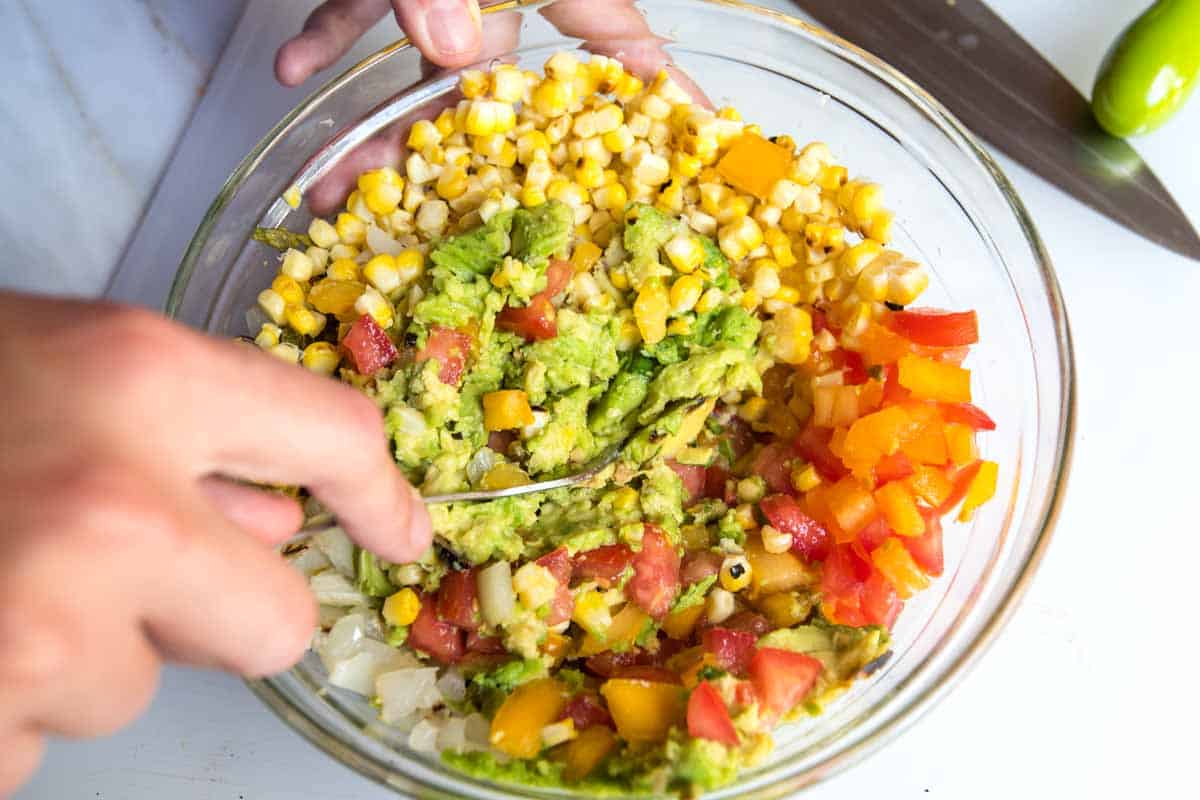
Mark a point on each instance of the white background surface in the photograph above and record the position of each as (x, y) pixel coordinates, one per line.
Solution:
(1088, 693)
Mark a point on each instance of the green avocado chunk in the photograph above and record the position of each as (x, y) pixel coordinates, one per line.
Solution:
(542, 231)
(478, 250)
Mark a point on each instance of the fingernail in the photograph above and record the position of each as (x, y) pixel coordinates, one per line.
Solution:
(452, 28)
(420, 526)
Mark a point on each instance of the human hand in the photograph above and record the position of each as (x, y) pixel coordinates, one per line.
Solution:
(125, 540)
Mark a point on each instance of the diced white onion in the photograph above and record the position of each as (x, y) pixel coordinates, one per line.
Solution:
(424, 737)
(484, 459)
(452, 685)
(370, 659)
(335, 589)
(496, 599)
(338, 548)
(380, 242)
(308, 561)
(407, 690)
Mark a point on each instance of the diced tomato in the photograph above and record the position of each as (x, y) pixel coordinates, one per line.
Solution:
(819, 321)
(585, 710)
(558, 563)
(773, 464)
(926, 549)
(748, 622)
(960, 479)
(935, 328)
(368, 346)
(714, 481)
(667, 647)
(782, 678)
(655, 581)
(810, 539)
(607, 663)
(870, 537)
(693, 479)
(558, 275)
(604, 564)
(880, 605)
(500, 441)
(895, 467)
(813, 446)
(743, 694)
(450, 347)
(484, 644)
(707, 716)
(854, 371)
(562, 607)
(457, 599)
(739, 436)
(440, 640)
(844, 572)
(972, 416)
(698, 565)
(732, 649)
(647, 672)
(536, 321)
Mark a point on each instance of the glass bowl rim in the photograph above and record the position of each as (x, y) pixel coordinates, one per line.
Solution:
(837, 761)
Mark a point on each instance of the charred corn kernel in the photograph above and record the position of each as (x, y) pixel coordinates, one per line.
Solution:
(422, 134)
(735, 573)
(350, 229)
(286, 352)
(685, 293)
(402, 607)
(297, 266)
(268, 335)
(304, 321)
(452, 183)
(322, 233)
(532, 196)
(832, 177)
(381, 272)
(372, 303)
(321, 358)
(611, 196)
(553, 98)
(805, 477)
(650, 311)
(753, 410)
(775, 541)
(473, 83)
(710, 300)
(289, 289)
(508, 84)
(585, 256)
(749, 300)
(855, 258)
(343, 269)
(906, 281)
(719, 606)
(880, 227)
(738, 238)
(766, 280)
(743, 514)
(787, 295)
(685, 253)
(618, 140)
(789, 335)
(293, 197)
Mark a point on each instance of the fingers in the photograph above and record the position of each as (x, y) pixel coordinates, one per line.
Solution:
(447, 32)
(330, 31)
(22, 753)
(268, 516)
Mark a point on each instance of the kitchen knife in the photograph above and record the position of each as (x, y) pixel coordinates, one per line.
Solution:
(1002, 89)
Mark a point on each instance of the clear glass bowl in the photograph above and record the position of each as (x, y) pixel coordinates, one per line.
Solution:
(956, 212)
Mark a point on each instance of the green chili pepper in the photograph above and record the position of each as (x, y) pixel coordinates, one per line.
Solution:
(1151, 69)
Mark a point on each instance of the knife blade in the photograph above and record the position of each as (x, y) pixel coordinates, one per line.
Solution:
(1001, 88)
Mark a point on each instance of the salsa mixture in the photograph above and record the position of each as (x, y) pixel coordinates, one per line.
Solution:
(576, 260)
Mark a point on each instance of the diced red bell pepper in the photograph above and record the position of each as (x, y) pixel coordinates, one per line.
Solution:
(926, 549)
(655, 581)
(773, 465)
(936, 328)
(604, 564)
(895, 467)
(450, 347)
(536, 321)
(813, 446)
(880, 604)
(782, 678)
(732, 649)
(960, 479)
(854, 371)
(810, 539)
(693, 477)
(585, 710)
(873, 535)
(440, 640)
(368, 347)
(458, 599)
(967, 414)
(708, 718)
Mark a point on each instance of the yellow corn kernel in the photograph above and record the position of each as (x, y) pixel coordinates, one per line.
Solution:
(749, 300)
(422, 134)
(805, 477)
(293, 197)
(906, 281)
(553, 98)
(611, 197)
(322, 233)
(766, 279)
(343, 269)
(381, 272)
(628, 336)
(531, 143)
(268, 335)
(787, 294)
(532, 196)
(735, 573)
(855, 258)
(738, 238)
(321, 358)
(285, 351)
(618, 140)
(679, 327)
(650, 310)
(585, 256)
(304, 321)
(730, 113)
(402, 607)
(789, 335)
(508, 84)
(452, 183)
(350, 229)
(372, 303)
(590, 174)
(832, 177)
(685, 253)
(473, 83)
(780, 246)
(445, 122)
(710, 300)
(289, 289)
(880, 227)
(685, 293)
(627, 87)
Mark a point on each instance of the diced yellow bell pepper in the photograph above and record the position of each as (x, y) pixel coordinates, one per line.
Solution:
(503, 476)
(585, 255)
(872, 437)
(623, 632)
(584, 753)
(644, 711)
(680, 624)
(330, 296)
(928, 379)
(982, 487)
(851, 505)
(755, 165)
(506, 409)
(517, 726)
(900, 509)
(775, 572)
(930, 484)
(896, 564)
(960, 443)
(926, 445)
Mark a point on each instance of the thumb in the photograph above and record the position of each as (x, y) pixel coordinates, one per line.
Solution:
(447, 32)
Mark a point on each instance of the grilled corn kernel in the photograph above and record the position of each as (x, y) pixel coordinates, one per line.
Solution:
(268, 335)
(350, 229)
(650, 311)
(766, 279)
(627, 88)
(322, 233)
(719, 606)
(832, 177)
(532, 196)
(372, 303)
(452, 183)
(553, 98)
(473, 83)
(775, 541)
(735, 573)
(321, 358)
(286, 352)
(402, 607)
(590, 174)
(611, 197)
(296, 265)
(423, 134)
(711, 299)
(685, 253)
(685, 293)
(853, 259)
(906, 281)
(805, 477)
(343, 269)
(788, 295)
(880, 227)
(289, 289)
(304, 321)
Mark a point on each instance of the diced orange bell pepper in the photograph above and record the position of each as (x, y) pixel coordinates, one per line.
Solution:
(851, 505)
(930, 484)
(870, 396)
(960, 443)
(585, 752)
(555, 645)
(928, 379)
(754, 165)
(879, 345)
(622, 632)
(775, 572)
(506, 409)
(517, 726)
(895, 563)
(872, 437)
(982, 487)
(644, 711)
(900, 509)
(680, 624)
(960, 480)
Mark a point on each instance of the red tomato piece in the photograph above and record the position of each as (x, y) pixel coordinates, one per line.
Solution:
(967, 414)
(732, 649)
(813, 446)
(895, 467)
(693, 478)
(441, 641)
(558, 275)
(714, 481)
(960, 480)
(773, 464)
(748, 622)
(647, 672)
(707, 716)
(844, 573)
(880, 605)
(562, 606)
(490, 645)
(870, 537)
(782, 678)
(607, 663)
(558, 563)
(458, 599)
(926, 549)
(655, 581)
(535, 321)
(854, 371)
(810, 539)
(586, 710)
(450, 347)
(936, 328)
(368, 346)
(604, 564)
(698, 565)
